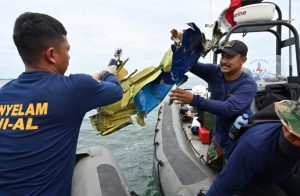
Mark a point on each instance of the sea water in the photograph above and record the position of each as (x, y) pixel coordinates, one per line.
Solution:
(132, 146)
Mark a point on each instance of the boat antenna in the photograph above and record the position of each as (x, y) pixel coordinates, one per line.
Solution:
(210, 24)
(290, 47)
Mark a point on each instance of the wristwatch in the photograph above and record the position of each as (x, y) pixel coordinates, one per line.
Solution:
(102, 74)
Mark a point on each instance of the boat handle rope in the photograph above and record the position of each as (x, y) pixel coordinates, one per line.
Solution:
(160, 163)
(156, 143)
(201, 156)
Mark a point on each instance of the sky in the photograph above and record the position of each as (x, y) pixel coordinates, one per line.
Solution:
(141, 28)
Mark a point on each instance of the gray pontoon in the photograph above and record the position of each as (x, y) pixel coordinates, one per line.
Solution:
(97, 173)
(178, 168)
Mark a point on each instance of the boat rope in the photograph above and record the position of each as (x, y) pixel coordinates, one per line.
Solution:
(191, 144)
(156, 143)
(202, 192)
(201, 156)
(133, 193)
(159, 182)
(160, 163)
(193, 147)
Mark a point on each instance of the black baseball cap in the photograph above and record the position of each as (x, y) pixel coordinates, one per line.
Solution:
(233, 48)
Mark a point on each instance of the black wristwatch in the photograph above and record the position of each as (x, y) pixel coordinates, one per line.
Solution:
(102, 74)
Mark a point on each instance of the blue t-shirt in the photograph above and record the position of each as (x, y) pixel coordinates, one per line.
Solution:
(40, 117)
(229, 99)
(254, 158)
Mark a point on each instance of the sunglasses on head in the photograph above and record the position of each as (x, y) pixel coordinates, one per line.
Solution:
(229, 44)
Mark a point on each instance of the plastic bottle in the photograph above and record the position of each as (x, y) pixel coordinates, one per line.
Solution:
(195, 126)
(238, 123)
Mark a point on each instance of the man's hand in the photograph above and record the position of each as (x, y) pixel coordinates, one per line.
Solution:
(111, 69)
(181, 96)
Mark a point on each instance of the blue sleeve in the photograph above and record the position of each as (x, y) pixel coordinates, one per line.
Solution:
(109, 77)
(242, 165)
(237, 101)
(92, 93)
(204, 71)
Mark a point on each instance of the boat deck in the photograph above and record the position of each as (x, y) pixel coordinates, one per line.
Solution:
(198, 147)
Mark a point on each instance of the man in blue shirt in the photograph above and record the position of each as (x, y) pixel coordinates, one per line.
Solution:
(42, 110)
(232, 90)
(264, 158)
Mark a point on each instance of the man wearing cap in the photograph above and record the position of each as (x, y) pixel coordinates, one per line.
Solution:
(264, 158)
(232, 90)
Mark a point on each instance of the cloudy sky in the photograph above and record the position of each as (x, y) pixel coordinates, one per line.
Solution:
(142, 28)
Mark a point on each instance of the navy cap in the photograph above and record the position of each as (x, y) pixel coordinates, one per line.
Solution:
(233, 48)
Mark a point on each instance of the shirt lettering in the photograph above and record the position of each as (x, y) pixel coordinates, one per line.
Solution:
(25, 116)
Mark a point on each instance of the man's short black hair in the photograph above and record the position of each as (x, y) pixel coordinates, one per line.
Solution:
(34, 32)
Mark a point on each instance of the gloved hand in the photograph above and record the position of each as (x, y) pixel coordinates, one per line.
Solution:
(112, 66)
(111, 69)
(176, 36)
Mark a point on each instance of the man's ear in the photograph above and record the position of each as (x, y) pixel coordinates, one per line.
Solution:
(50, 56)
(244, 59)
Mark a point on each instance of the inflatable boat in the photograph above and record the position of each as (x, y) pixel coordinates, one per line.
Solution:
(97, 173)
(178, 164)
(178, 160)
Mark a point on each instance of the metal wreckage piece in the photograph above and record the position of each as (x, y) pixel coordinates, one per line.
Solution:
(113, 117)
(144, 90)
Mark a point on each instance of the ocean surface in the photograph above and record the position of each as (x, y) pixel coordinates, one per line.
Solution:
(132, 146)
